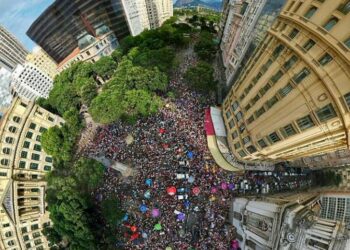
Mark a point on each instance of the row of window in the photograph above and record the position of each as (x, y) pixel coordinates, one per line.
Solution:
(325, 113)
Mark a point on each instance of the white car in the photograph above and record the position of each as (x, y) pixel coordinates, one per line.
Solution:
(182, 197)
(182, 176)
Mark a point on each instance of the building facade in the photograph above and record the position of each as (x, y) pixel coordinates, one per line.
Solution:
(293, 98)
(158, 12)
(43, 62)
(12, 52)
(137, 15)
(103, 45)
(239, 20)
(336, 206)
(288, 222)
(23, 166)
(64, 23)
(30, 83)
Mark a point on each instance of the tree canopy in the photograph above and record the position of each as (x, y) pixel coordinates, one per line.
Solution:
(201, 77)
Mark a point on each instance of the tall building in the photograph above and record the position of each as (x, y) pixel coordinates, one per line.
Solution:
(12, 52)
(288, 222)
(239, 20)
(293, 98)
(43, 62)
(23, 166)
(30, 83)
(136, 15)
(65, 24)
(159, 11)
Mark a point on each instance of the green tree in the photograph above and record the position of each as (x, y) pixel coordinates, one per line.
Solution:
(162, 59)
(52, 141)
(89, 173)
(117, 55)
(140, 102)
(200, 77)
(112, 213)
(88, 92)
(205, 47)
(106, 107)
(105, 67)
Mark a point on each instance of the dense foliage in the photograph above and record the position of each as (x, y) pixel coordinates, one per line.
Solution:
(206, 47)
(201, 77)
(326, 178)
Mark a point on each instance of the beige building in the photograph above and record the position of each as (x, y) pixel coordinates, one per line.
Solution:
(293, 98)
(43, 62)
(158, 12)
(91, 49)
(287, 222)
(23, 165)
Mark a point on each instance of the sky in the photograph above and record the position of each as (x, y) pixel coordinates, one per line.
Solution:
(18, 15)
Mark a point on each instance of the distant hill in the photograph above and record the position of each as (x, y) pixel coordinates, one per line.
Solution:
(212, 4)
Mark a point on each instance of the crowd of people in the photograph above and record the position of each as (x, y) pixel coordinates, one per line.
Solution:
(163, 144)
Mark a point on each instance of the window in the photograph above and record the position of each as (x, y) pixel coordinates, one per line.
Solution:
(3, 174)
(16, 119)
(42, 129)
(231, 124)
(26, 144)
(234, 135)
(32, 126)
(234, 106)
(37, 242)
(264, 89)
(347, 99)
(285, 90)
(9, 140)
(11, 243)
(298, 78)
(277, 50)
(331, 23)
(273, 137)
(309, 44)
(37, 147)
(239, 116)
(288, 64)
(305, 122)
(293, 33)
(347, 42)
(28, 245)
(246, 140)
(310, 12)
(272, 101)
(228, 114)
(24, 154)
(242, 153)
(35, 157)
(298, 6)
(47, 168)
(12, 129)
(8, 234)
(6, 225)
(288, 130)
(6, 151)
(242, 128)
(255, 99)
(276, 76)
(48, 159)
(259, 112)
(34, 166)
(24, 230)
(29, 135)
(50, 119)
(4, 162)
(38, 138)
(290, 6)
(326, 58)
(246, 108)
(243, 8)
(326, 113)
(237, 145)
(250, 119)
(34, 227)
(36, 235)
(251, 149)
(25, 238)
(344, 8)
(262, 143)
(22, 164)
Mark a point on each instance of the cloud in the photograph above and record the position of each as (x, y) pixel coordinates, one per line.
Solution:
(5, 95)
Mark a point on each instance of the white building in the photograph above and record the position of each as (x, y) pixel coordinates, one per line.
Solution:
(159, 11)
(286, 222)
(30, 83)
(91, 49)
(43, 61)
(240, 18)
(136, 14)
(12, 52)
